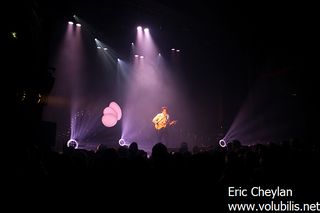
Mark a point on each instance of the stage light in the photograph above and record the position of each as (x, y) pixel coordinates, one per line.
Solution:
(98, 47)
(136, 56)
(39, 98)
(95, 39)
(159, 54)
(146, 30)
(122, 142)
(14, 35)
(139, 28)
(118, 60)
(24, 95)
(74, 16)
(70, 22)
(222, 143)
(78, 25)
(173, 49)
(177, 50)
(142, 57)
(105, 48)
(73, 143)
(132, 43)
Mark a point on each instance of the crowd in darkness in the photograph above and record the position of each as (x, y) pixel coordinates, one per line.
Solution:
(286, 162)
(190, 173)
(184, 177)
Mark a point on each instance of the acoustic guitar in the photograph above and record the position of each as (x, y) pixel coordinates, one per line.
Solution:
(160, 125)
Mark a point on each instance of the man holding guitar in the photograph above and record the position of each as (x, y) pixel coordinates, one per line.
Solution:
(161, 121)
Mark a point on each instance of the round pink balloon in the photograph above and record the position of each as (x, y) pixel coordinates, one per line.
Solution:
(109, 120)
(116, 108)
(109, 110)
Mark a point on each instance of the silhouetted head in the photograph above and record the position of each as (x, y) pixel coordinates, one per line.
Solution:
(159, 151)
(101, 147)
(184, 147)
(133, 147)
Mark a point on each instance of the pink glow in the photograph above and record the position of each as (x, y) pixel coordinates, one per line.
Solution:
(70, 22)
(117, 109)
(109, 120)
(110, 111)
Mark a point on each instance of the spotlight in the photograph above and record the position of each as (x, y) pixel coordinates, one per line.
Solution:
(14, 35)
(139, 28)
(142, 57)
(73, 143)
(70, 22)
(122, 142)
(173, 49)
(39, 98)
(222, 143)
(132, 43)
(177, 50)
(74, 16)
(118, 59)
(146, 30)
(159, 54)
(95, 39)
(78, 25)
(136, 56)
(98, 47)
(105, 48)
